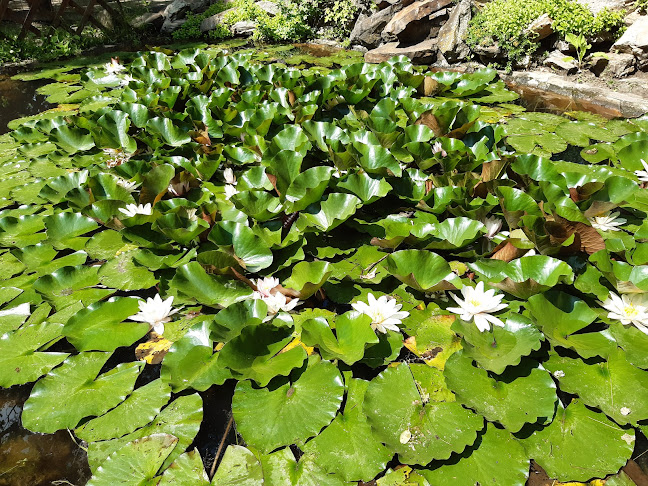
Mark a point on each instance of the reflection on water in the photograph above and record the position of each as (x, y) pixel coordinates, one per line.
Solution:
(18, 99)
(28, 459)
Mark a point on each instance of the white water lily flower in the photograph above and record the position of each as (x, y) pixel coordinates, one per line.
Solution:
(230, 178)
(642, 174)
(191, 214)
(437, 148)
(179, 188)
(156, 312)
(126, 79)
(607, 222)
(277, 302)
(230, 190)
(493, 225)
(132, 209)
(478, 305)
(629, 309)
(385, 313)
(130, 186)
(265, 285)
(21, 310)
(117, 157)
(113, 67)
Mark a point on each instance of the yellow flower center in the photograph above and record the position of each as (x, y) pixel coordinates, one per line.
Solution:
(630, 311)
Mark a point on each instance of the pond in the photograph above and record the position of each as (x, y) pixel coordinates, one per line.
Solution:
(191, 240)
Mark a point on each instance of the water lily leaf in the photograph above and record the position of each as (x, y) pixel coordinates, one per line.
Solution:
(614, 386)
(420, 269)
(136, 411)
(331, 212)
(253, 254)
(352, 333)
(526, 276)
(633, 342)
(63, 230)
(368, 189)
(561, 322)
(260, 205)
(229, 322)
(114, 126)
(192, 363)
(347, 446)
(484, 461)
(258, 353)
(403, 476)
(71, 284)
(156, 182)
(192, 283)
(106, 245)
(20, 359)
(294, 411)
(458, 232)
(72, 140)
(580, 444)
(416, 429)
(308, 277)
(186, 470)
(307, 188)
(238, 467)
(181, 418)
(136, 463)
(99, 326)
(170, 133)
(431, 336)
(503, 346)
(86, 393)
(21, 231)
(122, 273)
(529, 398)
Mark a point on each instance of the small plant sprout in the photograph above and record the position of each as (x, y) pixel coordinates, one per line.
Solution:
(477, 305)
(607, 222)
(385, 313)
(156, 312)
(628, 309)
(580, 44)
(642, 174)
(132, 209)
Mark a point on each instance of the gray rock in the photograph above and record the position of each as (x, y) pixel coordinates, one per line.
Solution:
(540, 28)
(155, 19)
(244, 28)
(635, 41)
(598, 61)
(396, 4)
(210, 23)
(178, 9)
(579, 96)
(422, 53)
(170, 26)
(367, 30)
(270, 8)
(452, 36)
(596, 6)
(416, 22)
(487, 53)
(558, 60)
(620, 65)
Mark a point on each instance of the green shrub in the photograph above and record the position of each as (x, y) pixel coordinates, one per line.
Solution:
(190, 30)
(504, 22)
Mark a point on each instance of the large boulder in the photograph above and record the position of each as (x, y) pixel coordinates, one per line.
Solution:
(615, 65)
(270, 8)
(244, 28)
(419, 21)
(395, 4)
(367, 29)
(422, 53)
(452, 36)
(596, 6)
(540, 28)
(210, 23)
(178, 9)
(635, 41)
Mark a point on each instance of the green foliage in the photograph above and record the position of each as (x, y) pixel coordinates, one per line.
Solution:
(282, 203)
(190, 30)
(505, 21)
(580, 44)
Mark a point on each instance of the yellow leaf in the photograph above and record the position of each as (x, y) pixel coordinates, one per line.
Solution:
(153, 350)
(297, 342)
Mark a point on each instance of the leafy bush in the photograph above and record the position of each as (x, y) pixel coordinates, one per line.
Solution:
(190, 30)
(504, 22)
(380, 264)
(53, 44)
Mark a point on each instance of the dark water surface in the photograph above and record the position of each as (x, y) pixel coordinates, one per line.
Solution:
(19, 98)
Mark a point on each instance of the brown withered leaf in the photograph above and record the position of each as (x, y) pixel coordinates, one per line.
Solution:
(291, 98)
(273, 181)
(491, 170)
(461, 131)
(506, 252)
(428, 87)
(428, 119)
(586, 238)
(201, 136)
(598, 208)
(153, 350)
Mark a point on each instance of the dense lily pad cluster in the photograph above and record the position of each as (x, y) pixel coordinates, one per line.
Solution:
(385, 261)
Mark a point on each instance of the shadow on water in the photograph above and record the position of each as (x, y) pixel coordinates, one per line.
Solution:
(28, 459)
(18, 99)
